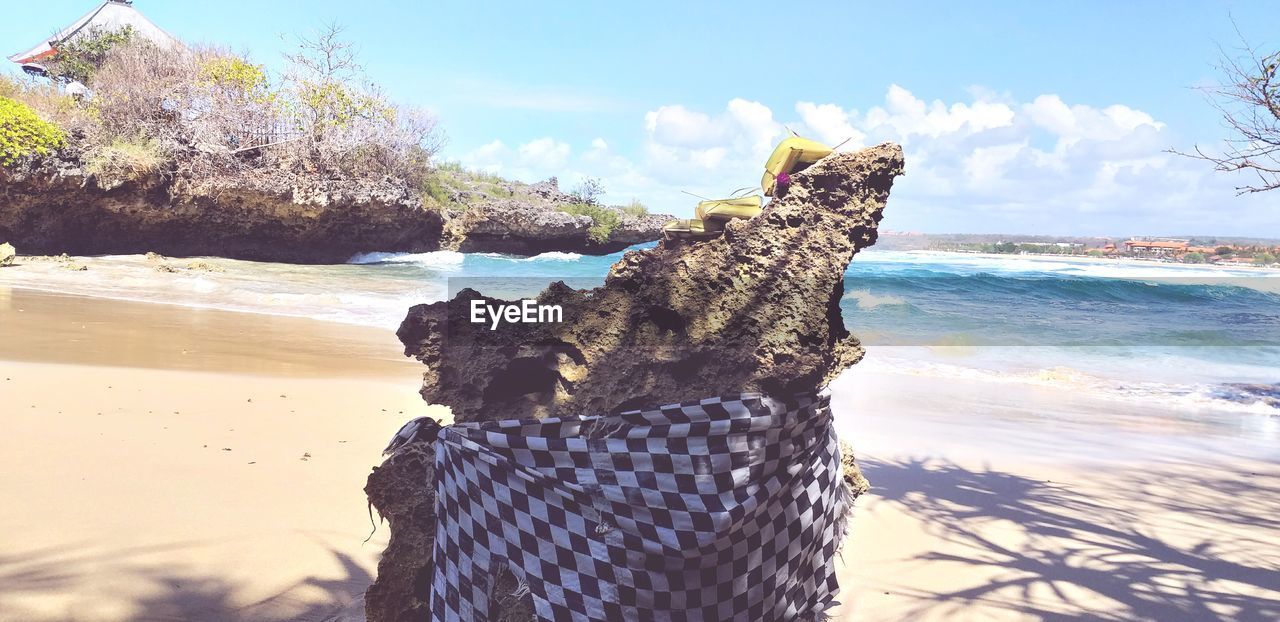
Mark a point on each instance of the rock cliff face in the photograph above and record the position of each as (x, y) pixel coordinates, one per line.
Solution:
(755, 309)
(52, 206)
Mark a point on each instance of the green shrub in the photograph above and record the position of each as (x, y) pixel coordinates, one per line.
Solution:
(603, 220)
(82, 57)
(126, 159)
(635, 208)
(435, 187)
(1263, 259)
(237, 79)
(1194, 258)
(23, 132)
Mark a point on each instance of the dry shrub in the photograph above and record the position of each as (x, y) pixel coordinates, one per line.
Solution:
(140, 91)
(226, 115)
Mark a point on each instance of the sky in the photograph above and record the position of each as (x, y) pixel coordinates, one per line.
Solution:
(1016, 117)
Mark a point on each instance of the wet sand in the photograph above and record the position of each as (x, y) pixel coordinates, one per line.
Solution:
(154, 470)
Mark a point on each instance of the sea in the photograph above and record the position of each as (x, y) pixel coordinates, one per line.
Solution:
(1187, 337)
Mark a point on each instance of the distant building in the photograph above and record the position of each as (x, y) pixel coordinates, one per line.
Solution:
(1157, 248)
(110, 16)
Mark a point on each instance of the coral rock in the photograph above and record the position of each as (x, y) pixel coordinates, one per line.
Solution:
(756, 309)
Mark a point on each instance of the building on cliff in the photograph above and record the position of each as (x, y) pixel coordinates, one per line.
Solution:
(110, 16)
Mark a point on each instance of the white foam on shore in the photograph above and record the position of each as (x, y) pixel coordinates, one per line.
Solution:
(343, 294)
(1190, 396)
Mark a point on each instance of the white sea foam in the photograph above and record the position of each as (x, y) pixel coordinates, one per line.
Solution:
(446, 260)
(547, 256)
(1189, 396)
(1078, 266)
(867, 300)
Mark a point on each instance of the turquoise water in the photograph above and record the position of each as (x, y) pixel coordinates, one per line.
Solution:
(1195, 337)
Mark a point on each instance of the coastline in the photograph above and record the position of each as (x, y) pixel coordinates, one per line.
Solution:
(1122, 261)
(139, 513)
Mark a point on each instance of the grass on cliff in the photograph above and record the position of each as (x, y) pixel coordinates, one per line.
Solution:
(126, 159)
(448, 180)
(603, 220)
(636, 209)
(23, 133)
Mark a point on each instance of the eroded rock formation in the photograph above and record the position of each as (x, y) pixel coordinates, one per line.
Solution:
(528, 227)
(52, 206)
(755, 309)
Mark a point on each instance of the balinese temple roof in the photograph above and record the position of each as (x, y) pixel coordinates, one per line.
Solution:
(109, 16)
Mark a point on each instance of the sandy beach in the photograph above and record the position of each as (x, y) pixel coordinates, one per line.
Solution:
(1032, 503)
(167, 463)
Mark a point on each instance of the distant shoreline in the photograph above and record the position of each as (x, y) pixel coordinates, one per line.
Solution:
(1136, 261)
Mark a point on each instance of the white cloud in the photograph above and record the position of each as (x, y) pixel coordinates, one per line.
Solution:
(531, 161)
(987, 164)
(544, 153)
(831, 124)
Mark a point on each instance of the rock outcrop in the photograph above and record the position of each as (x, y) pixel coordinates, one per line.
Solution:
(525, 227)
(52, 206)
(755, 309)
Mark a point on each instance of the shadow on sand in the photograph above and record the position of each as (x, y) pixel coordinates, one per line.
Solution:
(162, 593)
(1163, 542)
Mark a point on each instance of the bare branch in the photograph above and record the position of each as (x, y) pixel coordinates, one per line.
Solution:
(1248, 100)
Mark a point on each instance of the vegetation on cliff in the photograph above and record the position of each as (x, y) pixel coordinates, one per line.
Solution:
(211, 112)
(23, 132)
(247, 162)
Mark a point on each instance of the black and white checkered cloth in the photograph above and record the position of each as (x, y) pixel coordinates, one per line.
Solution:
(729, 508)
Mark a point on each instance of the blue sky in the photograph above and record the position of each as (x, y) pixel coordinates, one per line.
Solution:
(1018, 117)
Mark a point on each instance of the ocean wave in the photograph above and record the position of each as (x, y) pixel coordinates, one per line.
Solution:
(952, 262)
(867, 300)
(547, 256)
(1251, 398)
(449, 260)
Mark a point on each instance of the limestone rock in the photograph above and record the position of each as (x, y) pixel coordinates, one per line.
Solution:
(756, 309)
(52, 206)
(534, 224)
(7, 254)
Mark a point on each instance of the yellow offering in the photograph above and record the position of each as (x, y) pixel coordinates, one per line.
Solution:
(792, 155)
(727, 209)
(690, 229)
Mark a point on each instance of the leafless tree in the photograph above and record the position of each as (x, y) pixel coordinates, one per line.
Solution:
(1249, 101)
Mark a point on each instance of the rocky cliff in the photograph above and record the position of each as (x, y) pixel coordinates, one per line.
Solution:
(527, 220)
(755, 309)
(52, 206)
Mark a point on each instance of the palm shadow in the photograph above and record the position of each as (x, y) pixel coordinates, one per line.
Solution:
(176, 592)
(1100, 547)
